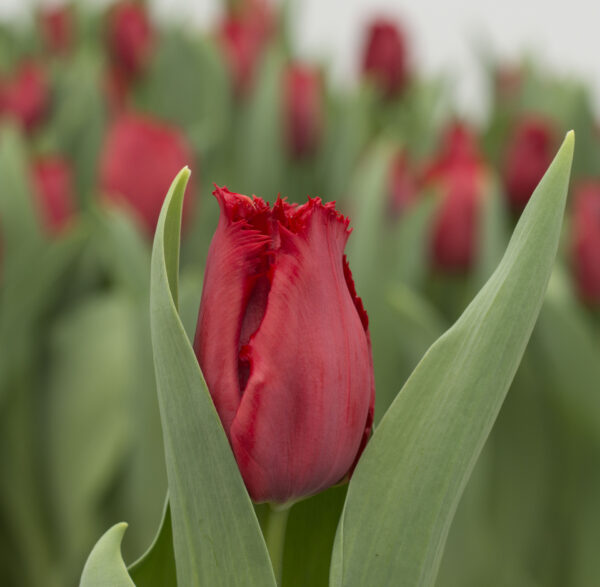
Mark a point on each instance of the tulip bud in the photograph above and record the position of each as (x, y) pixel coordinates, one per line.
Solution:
(53, 189)
(586, 242)
(287, 358)
(385, 58)
(529, 153)
(56, 26)
(403, 185)
(139, 159)
(303, 101)
(24, 96)
(130, 37)
(457, 174)
(243, 35)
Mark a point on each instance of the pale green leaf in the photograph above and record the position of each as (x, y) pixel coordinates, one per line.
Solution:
(405, 490)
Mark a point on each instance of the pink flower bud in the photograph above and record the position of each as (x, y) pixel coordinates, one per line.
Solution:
(529, 153)
(385, 58)
(586, 241)
(139, 159)
(53, 189)
(283, 342)
(303, 103)
(24, 96)
(57, 28)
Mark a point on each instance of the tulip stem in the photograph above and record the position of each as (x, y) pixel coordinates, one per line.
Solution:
(275, 537)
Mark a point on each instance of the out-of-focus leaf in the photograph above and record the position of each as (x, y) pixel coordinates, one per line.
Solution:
(216, 536)
(156, 568)
(406, 487)
(105, 566)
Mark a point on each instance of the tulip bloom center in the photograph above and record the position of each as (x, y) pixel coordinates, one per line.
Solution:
(283, 342)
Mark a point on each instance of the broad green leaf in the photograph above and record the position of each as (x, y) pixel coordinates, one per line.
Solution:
(406, 487)
(216, 536)
(156, 568)
(105, 566)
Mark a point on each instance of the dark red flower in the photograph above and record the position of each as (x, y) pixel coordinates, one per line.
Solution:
(139, 159)
(458, 176)
(303, 102)
(403, 184)
(130, 37)
(283, 342)
(243, 34)
(25, 96)
(385, 57)
(586, 241)
(529, 153)
(54, 192)
(57, 28)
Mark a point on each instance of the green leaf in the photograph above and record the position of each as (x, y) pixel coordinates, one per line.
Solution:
(105, 566)
(216, 536)
(156, 567)
(406, 487)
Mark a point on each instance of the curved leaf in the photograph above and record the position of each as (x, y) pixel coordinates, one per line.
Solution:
(105, 565)
(216, 536)
(405, 490)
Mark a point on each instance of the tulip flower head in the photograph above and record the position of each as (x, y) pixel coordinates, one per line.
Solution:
(586, 242)
(458, 174)
(24, 97)
(529, 153)
(303, 101)
(283, 343)
(57, 28)
(130, 37)
(139, 158)
(385, 58)
(53, 189)
(403, 184)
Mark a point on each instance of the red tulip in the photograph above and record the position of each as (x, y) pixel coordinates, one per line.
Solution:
(529, 153)
(130, 37)
(24, 97)
(508, 82)
(243, 35)
(53, 188)
(586, 241)
(139, 159)
(458, 174)
(404, 189)
(385, 59)
(303, 101)
(56, 24)
(283, 342)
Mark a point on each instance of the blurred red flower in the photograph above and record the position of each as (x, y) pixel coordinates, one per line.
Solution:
(303, 103)
(25, 95)
(57, 27)
(283, 342)
(385, 57)
(54, 192)
(586, 241)
(529, 152)
(139, 160)
(403, 184)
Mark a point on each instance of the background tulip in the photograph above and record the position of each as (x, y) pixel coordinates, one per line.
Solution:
(24, 96)
(53, 183)
(403, 184)
(385, 58)
(130, 37)
(139, 158)
(303, 94)
(283, 342)
(529, 152)
(56, 27)
(586, 241)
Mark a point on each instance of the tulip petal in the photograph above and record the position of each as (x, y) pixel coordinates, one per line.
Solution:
(308, 400)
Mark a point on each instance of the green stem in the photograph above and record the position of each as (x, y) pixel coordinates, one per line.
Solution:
(275, 537)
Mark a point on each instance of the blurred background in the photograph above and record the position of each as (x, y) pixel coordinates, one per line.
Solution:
(429, 125)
